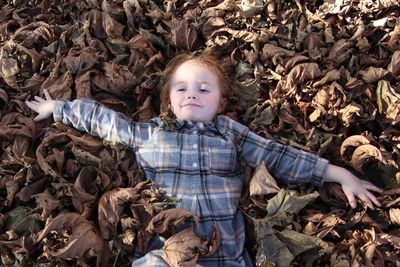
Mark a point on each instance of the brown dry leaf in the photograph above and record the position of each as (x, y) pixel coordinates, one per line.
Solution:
(84, 157)
(46, 157)
(161, 223)
(211, 26)
(77, 238)
(394, 66)
(350, 113)
(46, 203)
(271, 250)
(394, 38)
(290, 62)
(183, 249)
(112, 27)
(262, 182)
(28, 191)
(110, 208)
(330, 76)
(59, 84)
(332, 194)
(114, 78)
(3, 99)
(85, 191)
(87, 142)
(16, 124)
(276, 53)
(286, 115)
(340, 51)
(394, 214)
(350, 144)
(302, 72)
(184, 35)
(18, 58)
(145, 112)
(81, 60)
(251, 7)
(330, 97)
(363, 155)
(372, 74)
(215, 241)
(388, 100)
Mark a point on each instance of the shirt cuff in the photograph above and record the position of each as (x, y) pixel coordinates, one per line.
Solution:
(320, 171)
(58, 110)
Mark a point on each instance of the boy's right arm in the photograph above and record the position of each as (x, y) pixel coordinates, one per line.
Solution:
(87, 115)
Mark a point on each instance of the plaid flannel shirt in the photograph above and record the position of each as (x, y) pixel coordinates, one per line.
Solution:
(199, 164)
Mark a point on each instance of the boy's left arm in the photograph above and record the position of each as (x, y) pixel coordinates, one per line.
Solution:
(352, 186)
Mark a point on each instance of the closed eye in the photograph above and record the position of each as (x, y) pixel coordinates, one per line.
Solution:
(180, 90)
(204, 90)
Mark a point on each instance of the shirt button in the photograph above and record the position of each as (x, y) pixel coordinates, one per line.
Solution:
(194, 165)
(195, 146)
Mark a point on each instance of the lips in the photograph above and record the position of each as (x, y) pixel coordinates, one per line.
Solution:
(191, 105)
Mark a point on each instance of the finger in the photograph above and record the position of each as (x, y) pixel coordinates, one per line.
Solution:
(47, 95)
(373, 199)
(351, 199)
(31, 105)
(372, 187)
(366, 200)
(39, 99)
(38, 117)
(28, 103)
(32, 102)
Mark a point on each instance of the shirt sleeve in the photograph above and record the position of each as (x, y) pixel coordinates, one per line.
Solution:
(287, 164)
(151, 259)
(89, 116)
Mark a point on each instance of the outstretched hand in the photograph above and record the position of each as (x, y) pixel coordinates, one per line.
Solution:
(353, 187)
(44, 107)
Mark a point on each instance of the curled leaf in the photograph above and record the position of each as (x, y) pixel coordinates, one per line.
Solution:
(162, 222)
(73, 237)
(183, 249)
(394, 214)
(350, 144)
(262, 182)
(388, 100)
(363, 155)
(111, 207)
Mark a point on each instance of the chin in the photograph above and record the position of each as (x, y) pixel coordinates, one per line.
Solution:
(193, 118)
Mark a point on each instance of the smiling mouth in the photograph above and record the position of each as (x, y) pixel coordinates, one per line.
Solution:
(191, 105)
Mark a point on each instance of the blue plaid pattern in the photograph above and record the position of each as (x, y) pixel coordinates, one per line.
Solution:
(199, 164)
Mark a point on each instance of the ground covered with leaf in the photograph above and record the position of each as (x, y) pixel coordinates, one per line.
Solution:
(322, 76)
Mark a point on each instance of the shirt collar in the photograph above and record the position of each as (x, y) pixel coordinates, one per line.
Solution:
(201, 126)
(181, 124)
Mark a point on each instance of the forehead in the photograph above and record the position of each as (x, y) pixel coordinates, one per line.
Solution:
(193, 70)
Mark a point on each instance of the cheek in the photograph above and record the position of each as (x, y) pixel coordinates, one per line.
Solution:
(213, 101)
(174, 101)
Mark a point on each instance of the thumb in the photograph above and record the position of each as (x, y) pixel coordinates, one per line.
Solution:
(39, 117)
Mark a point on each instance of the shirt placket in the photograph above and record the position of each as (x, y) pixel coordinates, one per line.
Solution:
(196, 166)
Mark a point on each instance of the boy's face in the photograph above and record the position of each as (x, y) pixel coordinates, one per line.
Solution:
(195, 92)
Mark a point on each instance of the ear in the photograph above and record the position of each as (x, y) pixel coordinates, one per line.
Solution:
(222, 105)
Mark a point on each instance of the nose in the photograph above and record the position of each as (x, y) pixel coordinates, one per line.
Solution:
(191, 93)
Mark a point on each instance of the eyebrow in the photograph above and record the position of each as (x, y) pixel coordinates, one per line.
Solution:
(201, 82)
(175, 83)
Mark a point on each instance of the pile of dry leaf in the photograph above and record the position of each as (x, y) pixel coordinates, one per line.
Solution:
(318, 75)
